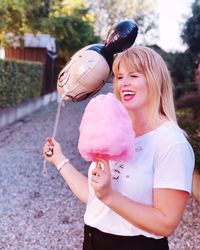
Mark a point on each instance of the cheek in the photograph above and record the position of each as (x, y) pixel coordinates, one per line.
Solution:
(144, 90)
(146, 94)
(142, 99)
(116, 90)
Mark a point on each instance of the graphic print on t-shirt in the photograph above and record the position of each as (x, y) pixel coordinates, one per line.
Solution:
(116, 170)
(118, 167)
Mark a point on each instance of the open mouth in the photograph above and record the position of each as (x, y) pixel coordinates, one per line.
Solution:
(128, 95)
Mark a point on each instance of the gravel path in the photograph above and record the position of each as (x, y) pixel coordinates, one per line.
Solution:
(40, 213)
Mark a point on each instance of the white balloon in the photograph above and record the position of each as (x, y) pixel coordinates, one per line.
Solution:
(85, 74)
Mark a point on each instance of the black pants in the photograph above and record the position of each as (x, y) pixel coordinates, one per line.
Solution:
(94, 239)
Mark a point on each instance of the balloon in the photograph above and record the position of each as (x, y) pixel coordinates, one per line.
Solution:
(84, 75)
(121, 37)
(90, 67)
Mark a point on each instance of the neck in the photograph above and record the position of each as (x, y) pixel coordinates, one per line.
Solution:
(142, 125)
(142, 128)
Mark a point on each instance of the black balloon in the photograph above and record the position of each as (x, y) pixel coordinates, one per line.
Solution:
(121, 36)
(89, 68)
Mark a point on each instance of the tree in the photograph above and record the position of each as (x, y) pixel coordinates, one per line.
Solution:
(191, 36)
(71, 24)
(11, 19)
(36, 15)
(108, 12)
(181, 70)
(71, 33)
(20, 16)
(68, 22)
(191, 29)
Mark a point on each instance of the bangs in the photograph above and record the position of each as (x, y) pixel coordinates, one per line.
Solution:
(129, 60)
(148, 62)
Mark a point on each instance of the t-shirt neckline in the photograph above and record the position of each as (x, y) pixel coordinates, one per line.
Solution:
(152, 132)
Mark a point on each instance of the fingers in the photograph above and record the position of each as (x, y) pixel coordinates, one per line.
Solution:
(52, 140)
(103, 164)
(48, 150)
(101, 172)
(97, 171)
(49, 146)
(101, 179)
(96, 179)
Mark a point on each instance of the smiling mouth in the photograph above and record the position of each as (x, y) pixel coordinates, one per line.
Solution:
(128, 95)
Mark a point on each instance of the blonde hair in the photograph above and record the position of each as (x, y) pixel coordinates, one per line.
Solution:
(152, 66)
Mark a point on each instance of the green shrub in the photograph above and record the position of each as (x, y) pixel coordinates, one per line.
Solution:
(19, 81)
(191, 101)
(192, 127)
(182, 70)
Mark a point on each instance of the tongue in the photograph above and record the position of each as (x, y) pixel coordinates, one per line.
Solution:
(128, 97)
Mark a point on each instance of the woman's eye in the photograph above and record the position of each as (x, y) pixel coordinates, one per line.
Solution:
(119, 77)
(134, 76)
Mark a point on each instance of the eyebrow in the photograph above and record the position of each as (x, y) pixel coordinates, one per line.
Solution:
(131, 72)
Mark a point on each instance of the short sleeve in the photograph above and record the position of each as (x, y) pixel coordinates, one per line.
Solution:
(174, 167)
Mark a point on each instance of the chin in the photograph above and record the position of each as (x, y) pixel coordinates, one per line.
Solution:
(129, 107)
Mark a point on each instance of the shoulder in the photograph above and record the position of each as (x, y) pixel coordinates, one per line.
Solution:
(170, 134)
(174, 159)
(173, 144)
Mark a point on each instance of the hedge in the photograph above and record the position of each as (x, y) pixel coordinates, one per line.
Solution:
(19, 81)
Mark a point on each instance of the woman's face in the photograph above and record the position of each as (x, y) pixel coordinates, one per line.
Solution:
(133, 89)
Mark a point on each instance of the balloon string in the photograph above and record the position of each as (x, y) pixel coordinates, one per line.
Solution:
(60, 102)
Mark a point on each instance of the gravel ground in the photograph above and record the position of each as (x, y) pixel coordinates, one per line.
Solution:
(40, 213)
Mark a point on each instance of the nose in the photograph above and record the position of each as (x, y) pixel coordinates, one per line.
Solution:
(125, 81)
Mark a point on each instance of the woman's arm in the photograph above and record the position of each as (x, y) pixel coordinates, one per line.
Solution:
(76, 181)
(162, 218)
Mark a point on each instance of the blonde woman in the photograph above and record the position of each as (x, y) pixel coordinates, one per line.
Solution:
(135, 206)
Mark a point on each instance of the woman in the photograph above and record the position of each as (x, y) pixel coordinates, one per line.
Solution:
(135, 206)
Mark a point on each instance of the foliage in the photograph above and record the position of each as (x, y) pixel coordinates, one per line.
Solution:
(192, 128)
(191, 101)
(11, 18)
(108, 12)
(67, 7)
(70, 24)
(181, 67)
(71, 34)
(36, 15)
(191, 30)
(19, 81)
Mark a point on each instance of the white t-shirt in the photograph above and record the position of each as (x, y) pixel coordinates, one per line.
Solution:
(163, 159)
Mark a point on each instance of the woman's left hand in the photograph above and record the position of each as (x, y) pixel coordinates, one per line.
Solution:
(101, 179)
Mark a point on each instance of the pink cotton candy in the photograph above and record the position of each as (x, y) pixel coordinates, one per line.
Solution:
(106, 130)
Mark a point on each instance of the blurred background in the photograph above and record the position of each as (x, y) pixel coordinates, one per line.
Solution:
(38, 38)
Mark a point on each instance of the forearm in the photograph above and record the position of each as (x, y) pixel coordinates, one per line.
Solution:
(160, 218)
(76, 181)
(142, 216)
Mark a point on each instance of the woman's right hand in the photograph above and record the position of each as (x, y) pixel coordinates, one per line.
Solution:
(52, 146)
